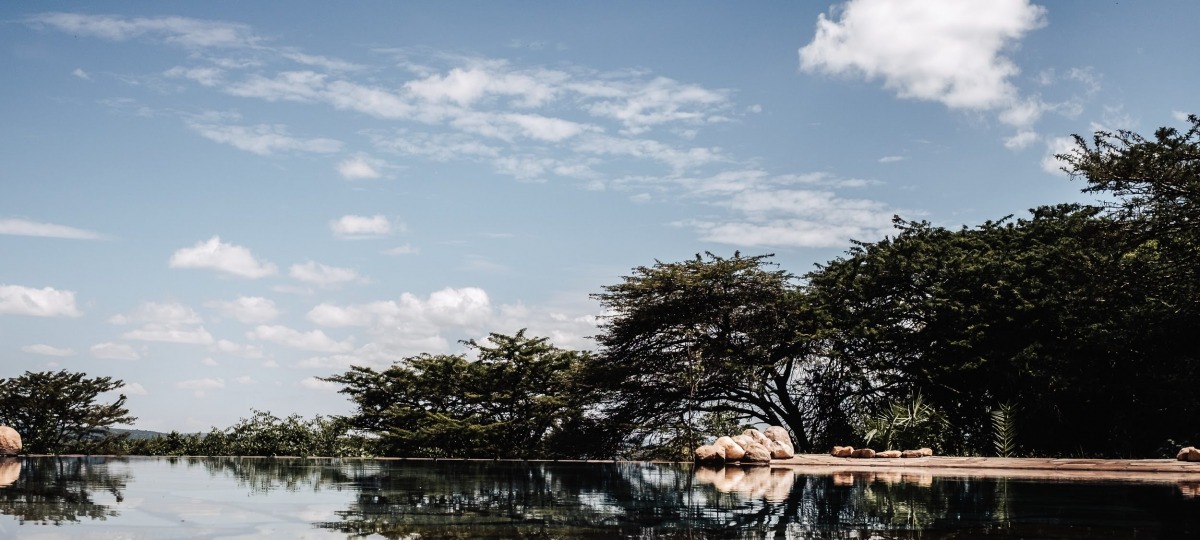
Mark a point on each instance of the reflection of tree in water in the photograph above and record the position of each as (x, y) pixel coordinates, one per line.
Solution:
(457, 499)
(55, 490)
(895, 505)
(449, 499)
(265, 474)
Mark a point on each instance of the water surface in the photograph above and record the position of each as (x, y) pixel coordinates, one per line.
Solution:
(79, 497)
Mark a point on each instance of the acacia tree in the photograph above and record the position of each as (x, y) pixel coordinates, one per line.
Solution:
(706, 336)
(518, 398)
(55, 411)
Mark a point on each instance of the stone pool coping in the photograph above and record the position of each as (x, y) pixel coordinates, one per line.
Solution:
(1154, 470)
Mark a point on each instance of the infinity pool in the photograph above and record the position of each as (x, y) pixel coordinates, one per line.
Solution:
(79, 497)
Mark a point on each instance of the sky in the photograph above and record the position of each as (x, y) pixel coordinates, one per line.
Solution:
(218, 203)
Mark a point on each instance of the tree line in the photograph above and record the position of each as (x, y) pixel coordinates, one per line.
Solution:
(1069, 332)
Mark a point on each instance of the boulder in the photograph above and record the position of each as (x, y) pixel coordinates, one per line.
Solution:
(889, 454)
(743, 440)
(781, 444)
(1193, 455)
(710, 454)
(911, 454)
(757, 436)
(756, 453)
(842, 451)
(733, 450)
(10, 441)
(780, 450)
(863, 453)
(1184, 452)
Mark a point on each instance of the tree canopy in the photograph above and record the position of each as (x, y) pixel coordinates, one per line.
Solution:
(519, 397)
(54, 411)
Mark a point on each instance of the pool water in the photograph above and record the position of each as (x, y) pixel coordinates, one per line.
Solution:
(95, 497)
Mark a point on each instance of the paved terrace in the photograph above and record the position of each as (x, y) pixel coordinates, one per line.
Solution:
(1149, 470)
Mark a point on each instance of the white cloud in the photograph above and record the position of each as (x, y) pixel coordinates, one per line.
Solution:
(331, 64)
(315, 340)
(168, 334)
(322, 275)
(227, 258)
(133, 389)
(1180, 116)
(361, 226)
(200, 387)
(1055, 146)
(410, 324)
(21, 227)
(891, 159)
(263, 139)
(79, 72)
(245, 379)
(938, 50)
(1021, 140)
(405, 249)
(677, 159)
(251, 352)
(208, 361)
(466, 86)
(247, 309)
(169, 323)
(307, 86)
(44, 302)
(206, 76)
(115, 351)
(191, 33)
(170, 314)
(359, 168)
(48, 350)
(794, 217)
(642, 106)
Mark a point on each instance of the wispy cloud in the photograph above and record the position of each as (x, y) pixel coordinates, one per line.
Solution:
(48, 350)
(115, 351)
(262, 139)
(247, 309)
(22, 227)
(192, 33)
(321, 275)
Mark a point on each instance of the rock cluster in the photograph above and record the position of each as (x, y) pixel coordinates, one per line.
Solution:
(1189, 453)
(752, 446)
(864, 453)
(10, 441)
(772, 484)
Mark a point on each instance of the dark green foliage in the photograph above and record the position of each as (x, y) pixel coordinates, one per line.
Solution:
(519, 398)
(263, 434)
(906, 425)
(1004, 430)
(57, 412)
(708, 335)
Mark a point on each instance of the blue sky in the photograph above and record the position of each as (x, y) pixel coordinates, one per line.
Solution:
(218, 203)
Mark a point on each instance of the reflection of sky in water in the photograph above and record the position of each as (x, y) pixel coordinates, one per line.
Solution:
(293, 498)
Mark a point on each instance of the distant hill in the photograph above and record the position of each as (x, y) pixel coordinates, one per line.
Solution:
(137, 434)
